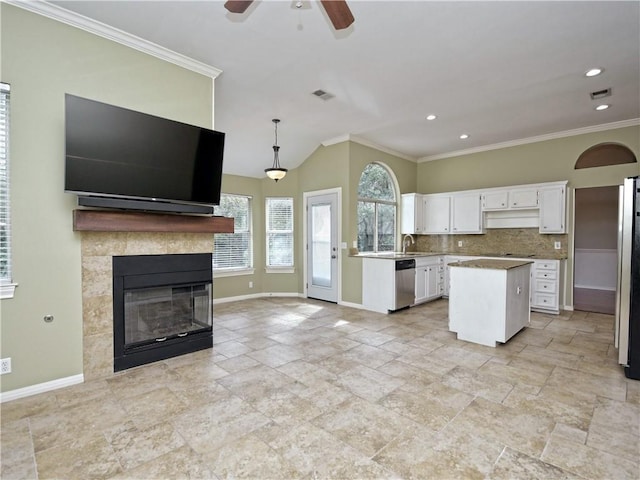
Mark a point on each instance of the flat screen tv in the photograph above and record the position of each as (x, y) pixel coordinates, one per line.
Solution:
(120, 158)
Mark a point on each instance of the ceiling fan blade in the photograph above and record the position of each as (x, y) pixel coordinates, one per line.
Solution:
(237, 6)
(338, 12)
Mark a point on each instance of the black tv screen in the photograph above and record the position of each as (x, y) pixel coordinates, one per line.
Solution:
(119, 153)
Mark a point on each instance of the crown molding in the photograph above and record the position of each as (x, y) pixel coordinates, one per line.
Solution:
(367, 143)
(541, 138)
(116, 35)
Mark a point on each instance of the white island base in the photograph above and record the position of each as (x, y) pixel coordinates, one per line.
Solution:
(489, 300)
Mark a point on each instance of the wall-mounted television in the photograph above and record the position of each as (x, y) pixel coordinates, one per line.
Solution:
(120, 158)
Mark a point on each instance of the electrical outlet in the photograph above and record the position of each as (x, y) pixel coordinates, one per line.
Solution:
(557, 245)
(459, 243)
(250, 284)
(5, 365)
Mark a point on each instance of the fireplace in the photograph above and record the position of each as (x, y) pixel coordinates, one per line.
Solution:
(162, 307)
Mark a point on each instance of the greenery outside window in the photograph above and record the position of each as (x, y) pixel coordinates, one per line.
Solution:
(377, 210)
(279, 230)
(233, 252)
(6, 286)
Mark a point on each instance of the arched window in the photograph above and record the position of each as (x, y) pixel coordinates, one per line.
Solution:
(377, 210)
(605, 154)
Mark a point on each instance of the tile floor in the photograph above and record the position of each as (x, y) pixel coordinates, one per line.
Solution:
(305, 389)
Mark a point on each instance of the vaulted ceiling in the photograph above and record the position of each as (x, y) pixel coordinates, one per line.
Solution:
(497, 71)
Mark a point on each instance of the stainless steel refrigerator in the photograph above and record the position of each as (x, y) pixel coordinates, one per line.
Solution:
(628, 292)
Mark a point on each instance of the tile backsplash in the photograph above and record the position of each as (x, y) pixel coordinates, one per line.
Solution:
(496, 241)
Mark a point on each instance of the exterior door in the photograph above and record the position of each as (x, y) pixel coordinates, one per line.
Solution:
(322, 247)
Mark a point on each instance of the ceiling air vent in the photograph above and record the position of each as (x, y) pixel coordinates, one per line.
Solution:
(600, 94)
(323, 95)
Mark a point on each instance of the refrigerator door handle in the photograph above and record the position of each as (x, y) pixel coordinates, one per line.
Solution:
(623, 292)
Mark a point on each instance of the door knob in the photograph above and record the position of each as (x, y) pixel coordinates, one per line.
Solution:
(334, 256)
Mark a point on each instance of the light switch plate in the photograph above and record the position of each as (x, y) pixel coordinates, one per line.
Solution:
(557, 245)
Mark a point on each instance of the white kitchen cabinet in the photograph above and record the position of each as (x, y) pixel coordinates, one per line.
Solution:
(496, 200)
(437, 213)
(378, 284)
(523, 198)
(466, 216)
(553, 209)
(545, 286)
(412, 215)
(429, 278)
(489, 300)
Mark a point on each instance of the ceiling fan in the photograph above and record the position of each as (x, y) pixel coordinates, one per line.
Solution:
(337, 10)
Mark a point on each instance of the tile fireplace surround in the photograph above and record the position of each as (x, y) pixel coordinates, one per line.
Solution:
(97, 249)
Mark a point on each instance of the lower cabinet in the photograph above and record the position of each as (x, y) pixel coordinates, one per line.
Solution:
(545, 286)
(429, 278)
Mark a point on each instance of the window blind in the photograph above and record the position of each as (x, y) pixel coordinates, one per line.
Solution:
(5, 210)
(233, 251)
(279, 231)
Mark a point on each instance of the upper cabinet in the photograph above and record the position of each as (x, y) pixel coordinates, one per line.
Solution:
(412, 214)
(437, 210)
(523, 198)
(553, 209)
(466, 216)
(540, 205)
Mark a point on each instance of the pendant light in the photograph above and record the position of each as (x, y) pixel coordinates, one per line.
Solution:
(276, 172)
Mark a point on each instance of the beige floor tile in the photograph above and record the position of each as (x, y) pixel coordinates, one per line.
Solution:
(139, 380)
(27, 407)
(153, 407)
(251, 458)
(435, 407)
(182, 463)
(513, 464)
(475, 383)
(568, 379)
(370, 356)
(365, 426)
(93, 459)
(368, 383)
(317, 454)
(587, 461)
(134, 446)
(522, 430)
(16, 449)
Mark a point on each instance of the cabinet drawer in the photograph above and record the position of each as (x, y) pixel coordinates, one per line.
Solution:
(545, 286)
(546, 265)
(546, 274)
(544, 300)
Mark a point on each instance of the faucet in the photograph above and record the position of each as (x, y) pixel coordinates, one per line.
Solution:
(405, 242)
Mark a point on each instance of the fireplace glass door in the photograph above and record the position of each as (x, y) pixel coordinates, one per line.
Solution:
(157, 314)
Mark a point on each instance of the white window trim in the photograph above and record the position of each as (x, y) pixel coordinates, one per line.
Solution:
(7, 290)
(239, 271)
(233, 272)
(278, 268)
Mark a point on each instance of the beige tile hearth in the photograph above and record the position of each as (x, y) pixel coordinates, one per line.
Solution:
(297, 389)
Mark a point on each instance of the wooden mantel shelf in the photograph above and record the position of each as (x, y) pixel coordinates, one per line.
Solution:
(108, 221)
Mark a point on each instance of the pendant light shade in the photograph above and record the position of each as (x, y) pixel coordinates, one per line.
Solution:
(276, 172)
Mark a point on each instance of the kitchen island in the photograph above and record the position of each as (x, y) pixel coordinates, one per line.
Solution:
(489, 299)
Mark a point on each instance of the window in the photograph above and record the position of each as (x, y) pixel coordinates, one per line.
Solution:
(279, 226)
(376, 210)
(232, 252)
(6, 287)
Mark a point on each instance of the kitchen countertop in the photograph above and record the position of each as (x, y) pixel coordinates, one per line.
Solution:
(491, 263)
(400, 255)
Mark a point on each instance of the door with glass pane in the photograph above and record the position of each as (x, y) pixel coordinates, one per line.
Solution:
(322, 247)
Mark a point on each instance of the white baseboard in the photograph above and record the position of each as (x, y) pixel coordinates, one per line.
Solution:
(41, 388)
(359, 306)
(256, 295)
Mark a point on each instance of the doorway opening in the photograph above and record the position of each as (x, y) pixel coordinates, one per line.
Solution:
(595, 249)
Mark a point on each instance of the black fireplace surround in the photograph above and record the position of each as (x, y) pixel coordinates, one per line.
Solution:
(162, 307)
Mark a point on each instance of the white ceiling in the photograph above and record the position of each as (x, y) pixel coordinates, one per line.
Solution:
(498, 71)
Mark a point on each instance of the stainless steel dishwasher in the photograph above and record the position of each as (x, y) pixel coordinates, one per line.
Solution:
(405, 283)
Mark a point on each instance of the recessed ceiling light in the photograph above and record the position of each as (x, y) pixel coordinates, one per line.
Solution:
(464, 136)
(593, 72)
(604, 106)
(431, 117)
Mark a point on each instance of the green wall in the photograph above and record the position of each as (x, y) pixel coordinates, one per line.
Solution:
(42, 60)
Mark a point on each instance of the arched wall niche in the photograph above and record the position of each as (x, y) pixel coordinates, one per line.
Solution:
(605, 154)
